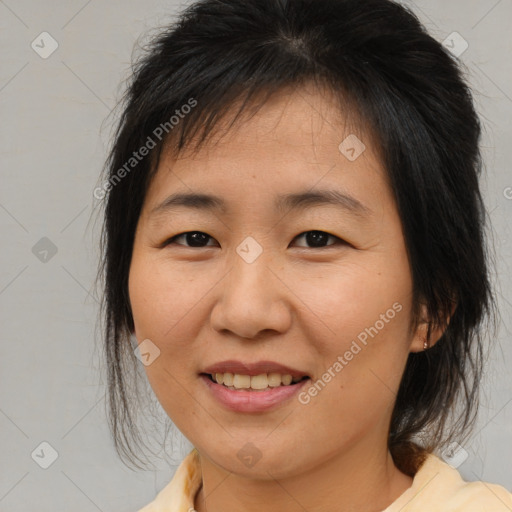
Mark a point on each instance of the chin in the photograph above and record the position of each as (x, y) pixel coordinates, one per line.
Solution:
(262, 460)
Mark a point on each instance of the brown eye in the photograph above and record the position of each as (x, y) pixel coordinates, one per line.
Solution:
(318, 239)
(198, 239)
(192, 238)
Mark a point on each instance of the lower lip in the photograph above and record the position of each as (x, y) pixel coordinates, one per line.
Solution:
(253, 401)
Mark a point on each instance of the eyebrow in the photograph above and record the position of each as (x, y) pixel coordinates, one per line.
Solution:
(295, 201)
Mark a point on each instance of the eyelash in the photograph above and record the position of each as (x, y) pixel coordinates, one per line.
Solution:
(172, 240)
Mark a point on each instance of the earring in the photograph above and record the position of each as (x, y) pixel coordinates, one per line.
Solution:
(425, 344)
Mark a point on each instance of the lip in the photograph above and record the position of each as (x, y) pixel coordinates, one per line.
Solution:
(252, 401)
(252, 369)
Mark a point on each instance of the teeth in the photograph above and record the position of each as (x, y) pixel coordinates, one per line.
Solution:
(286, 380)
(274, 379)
(241, 381)
(256, 382)
(259, 381)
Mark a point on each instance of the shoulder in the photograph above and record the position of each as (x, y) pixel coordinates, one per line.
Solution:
(481, 496)
(438, 486)
(178, 495)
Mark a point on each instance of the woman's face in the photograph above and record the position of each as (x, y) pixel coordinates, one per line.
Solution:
(255, 286)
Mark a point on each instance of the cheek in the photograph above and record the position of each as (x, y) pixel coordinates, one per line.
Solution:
(357, 383)
(358, 297)
(160, 299)
(159, 307)
(364, 311)
(168, 309)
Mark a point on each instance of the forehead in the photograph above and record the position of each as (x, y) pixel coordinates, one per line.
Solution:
(293, 116)
(298, 140)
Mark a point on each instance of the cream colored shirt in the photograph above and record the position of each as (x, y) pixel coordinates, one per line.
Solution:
(436, 487)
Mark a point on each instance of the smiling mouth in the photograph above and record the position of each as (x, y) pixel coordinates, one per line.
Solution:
(262, 382)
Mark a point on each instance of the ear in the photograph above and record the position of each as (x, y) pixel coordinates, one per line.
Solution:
(420, 336)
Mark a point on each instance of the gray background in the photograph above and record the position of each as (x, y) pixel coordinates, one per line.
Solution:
(54, 136)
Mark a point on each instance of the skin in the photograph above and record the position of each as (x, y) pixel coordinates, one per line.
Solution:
(296, 304)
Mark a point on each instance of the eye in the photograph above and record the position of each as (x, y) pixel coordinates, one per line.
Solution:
(194, 238)
(199, 239)
(318, 238)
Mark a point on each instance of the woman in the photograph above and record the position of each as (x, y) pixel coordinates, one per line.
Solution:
(294, 237)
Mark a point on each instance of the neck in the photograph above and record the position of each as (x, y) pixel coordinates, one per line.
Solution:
(361, 479)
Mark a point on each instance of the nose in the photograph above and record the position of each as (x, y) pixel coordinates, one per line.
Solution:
(252, 299)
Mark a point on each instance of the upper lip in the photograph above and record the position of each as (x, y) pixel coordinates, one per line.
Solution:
(252, 369)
